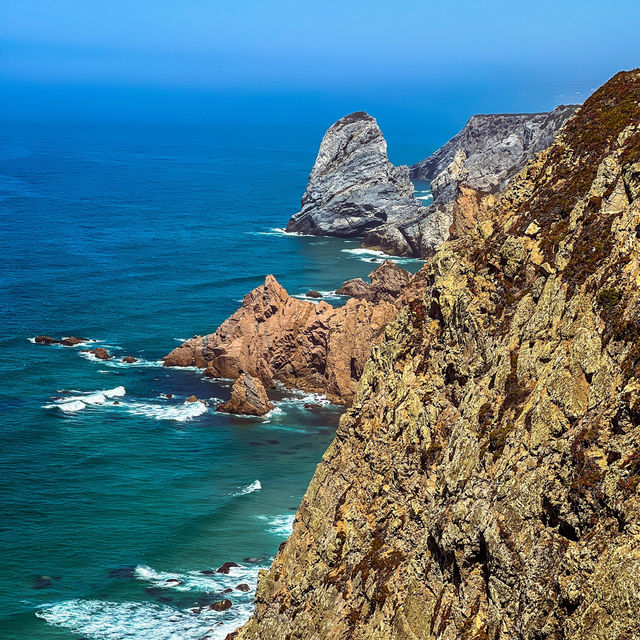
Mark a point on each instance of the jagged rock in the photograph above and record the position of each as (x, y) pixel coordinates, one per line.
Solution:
(387, 283)
(221, 605)
(248, 397)
(314, 294)
(481, 158)
(71, 341)
(45, 340)
(353, 187)
(273, 336)
(192, 398)
(486, 481)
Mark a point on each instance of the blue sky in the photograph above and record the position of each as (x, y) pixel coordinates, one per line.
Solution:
(291, 61)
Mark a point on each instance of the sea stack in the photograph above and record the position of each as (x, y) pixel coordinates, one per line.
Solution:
(353, 187)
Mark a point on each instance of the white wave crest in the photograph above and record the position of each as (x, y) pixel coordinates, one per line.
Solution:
(374, 255)
(103, 620)
(254, 486)
(178, 412)
(92, 398)
(281, 231)
(281, 525)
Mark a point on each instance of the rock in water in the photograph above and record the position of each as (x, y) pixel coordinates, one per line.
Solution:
(306, 345)
(101, 353)
(129, 359)
(248, 398)
(314, 294)
(353, 187)
(45, 340)
(486, 482)
(226, 567)
(483, 157)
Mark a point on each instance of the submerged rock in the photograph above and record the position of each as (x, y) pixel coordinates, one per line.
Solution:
(248, 397)
(353, 187)
(226, 567)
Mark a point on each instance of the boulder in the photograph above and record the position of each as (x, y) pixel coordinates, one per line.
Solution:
(243, 587)
(129, 359)
(353, 187)
(72, 341)
(387, 283)
(314, 294)
(221, 605)
(45, 340)
(192, 399)
(101, 353)
(248, 397)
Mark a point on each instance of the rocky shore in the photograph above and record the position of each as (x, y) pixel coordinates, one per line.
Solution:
(304, 345)
(485, 482)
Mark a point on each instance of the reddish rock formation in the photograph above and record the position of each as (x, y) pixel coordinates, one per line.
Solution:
(72, 341)
(387, 283)
(129, 359)
(273, 336)
(248, 397)
(101, 353)
(45, 340)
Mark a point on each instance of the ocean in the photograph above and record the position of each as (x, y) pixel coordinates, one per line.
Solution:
(114, 517)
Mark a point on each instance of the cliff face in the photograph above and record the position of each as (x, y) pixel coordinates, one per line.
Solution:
(353, 187)
(485, 482)
(484, 156)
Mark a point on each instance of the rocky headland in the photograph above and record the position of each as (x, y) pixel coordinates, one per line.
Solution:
(304, 345)
(485, 483)
(354, 190)
(479, 162)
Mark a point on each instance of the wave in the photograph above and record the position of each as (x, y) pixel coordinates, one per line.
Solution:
(326, 295)
(254, 486)
(103, 620)
(281, 525)
(281, 231)
(117, 362)
(374, 255)
(91, 398)
(180, 412)
(429, 197)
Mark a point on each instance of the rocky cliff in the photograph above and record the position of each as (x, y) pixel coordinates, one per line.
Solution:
(353, 187)
(483, 157)
(485, 483)
(310, 346)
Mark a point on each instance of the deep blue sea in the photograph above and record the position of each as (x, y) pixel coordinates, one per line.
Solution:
(137, 238)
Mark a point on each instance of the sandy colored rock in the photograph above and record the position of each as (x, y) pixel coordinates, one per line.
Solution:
(101, 353)
(248, 397)
(273, 336)
(387, 283)
(192, 399)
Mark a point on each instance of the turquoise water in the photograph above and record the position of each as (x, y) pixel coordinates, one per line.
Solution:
(137, 238)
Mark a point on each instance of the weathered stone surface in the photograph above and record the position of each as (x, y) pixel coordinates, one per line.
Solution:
(101, 353)
(480, 159)
(353, 187)
(248, 397)
(306, 345)
(387, 283)
(485, 483)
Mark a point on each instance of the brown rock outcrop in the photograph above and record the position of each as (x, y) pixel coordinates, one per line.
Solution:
(248, 398)
(45, 340)
(485, 485)
(101, 353)
(387, 283)
(273, 336)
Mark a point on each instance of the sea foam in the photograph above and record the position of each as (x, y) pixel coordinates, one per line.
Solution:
(91, 398)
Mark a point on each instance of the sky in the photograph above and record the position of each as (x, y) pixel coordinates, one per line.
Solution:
(410, 62)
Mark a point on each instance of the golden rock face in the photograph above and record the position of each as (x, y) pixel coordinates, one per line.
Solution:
(485, 483)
